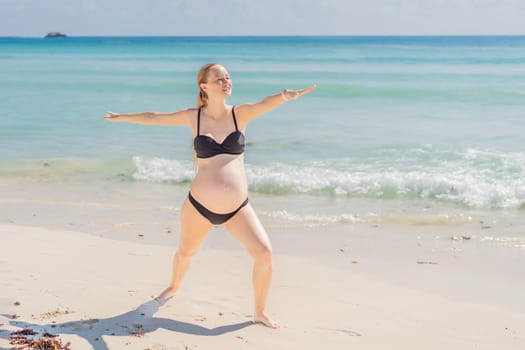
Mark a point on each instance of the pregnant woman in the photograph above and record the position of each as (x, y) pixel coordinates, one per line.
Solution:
(219, 192)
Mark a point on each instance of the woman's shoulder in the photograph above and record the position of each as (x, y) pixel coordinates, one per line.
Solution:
(240, 108)
(244, 112)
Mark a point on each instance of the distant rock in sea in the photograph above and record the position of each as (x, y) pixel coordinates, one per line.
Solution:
(55, 35)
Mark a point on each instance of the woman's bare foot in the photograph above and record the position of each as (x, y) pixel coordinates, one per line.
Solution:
(265, 320)
(165, 295)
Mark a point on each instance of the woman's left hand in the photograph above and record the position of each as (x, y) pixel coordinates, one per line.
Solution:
(295, 94)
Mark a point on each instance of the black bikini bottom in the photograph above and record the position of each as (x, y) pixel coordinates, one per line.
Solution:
(214, 218)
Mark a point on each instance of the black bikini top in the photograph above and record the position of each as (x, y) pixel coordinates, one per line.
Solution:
(206, 147)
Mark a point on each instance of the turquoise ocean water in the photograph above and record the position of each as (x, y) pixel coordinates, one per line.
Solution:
(412, 122)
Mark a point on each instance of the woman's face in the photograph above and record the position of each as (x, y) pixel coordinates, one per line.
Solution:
(218, 82)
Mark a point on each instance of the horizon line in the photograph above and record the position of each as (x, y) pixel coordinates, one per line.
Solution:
(275, 36)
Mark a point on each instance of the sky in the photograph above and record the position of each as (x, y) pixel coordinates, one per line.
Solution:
(34, 18)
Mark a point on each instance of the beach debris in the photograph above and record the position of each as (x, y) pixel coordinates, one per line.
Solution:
(220, 314)
(22, 339)
(24, 332)
(137, 331)
(241, 338)
(341, 250)
(200, 318)
(458, 238)
(16, 303)
(49, 335)
(55, 313)
(483, 225)
(140, 235)
(346, 331)
(355, 262)
(427, 262)
(14, 316)
(349, 332)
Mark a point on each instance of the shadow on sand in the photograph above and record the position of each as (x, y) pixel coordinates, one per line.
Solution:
(137, 322)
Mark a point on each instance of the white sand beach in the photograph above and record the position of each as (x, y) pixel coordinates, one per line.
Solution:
(84, 263)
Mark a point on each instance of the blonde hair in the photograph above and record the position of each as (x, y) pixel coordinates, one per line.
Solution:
(202, 77)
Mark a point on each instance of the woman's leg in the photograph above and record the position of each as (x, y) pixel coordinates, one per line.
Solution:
(194, 228)
(246, 227)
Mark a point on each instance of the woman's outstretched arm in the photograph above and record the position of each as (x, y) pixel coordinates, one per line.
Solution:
(181, 117)
(248, 111)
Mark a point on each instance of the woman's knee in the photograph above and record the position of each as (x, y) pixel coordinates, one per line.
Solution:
(185, 253)
(263, 255)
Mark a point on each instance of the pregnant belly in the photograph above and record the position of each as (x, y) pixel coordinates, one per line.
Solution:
(220, 191)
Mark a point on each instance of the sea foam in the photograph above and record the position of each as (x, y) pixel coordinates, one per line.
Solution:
(471, 177)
